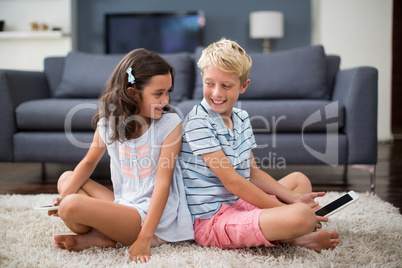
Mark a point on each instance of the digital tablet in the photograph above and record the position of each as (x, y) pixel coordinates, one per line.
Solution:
(50, 207)
(337, 204)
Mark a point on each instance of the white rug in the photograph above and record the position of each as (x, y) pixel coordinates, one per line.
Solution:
(370, 232)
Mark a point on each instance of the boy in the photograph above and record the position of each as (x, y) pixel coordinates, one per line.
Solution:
(226, 192)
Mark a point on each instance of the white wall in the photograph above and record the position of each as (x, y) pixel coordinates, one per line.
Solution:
(28, 53)
(360, 31)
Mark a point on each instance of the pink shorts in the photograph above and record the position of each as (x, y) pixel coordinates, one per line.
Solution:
(235, 226)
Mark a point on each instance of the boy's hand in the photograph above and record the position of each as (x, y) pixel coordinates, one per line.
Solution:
(309, 199)
(140, 250)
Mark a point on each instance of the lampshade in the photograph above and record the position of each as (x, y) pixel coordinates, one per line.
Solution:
(266, 24)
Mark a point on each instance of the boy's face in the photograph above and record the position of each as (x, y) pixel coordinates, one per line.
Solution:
(221, 90)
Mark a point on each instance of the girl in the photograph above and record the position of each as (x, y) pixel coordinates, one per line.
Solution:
(148, 206)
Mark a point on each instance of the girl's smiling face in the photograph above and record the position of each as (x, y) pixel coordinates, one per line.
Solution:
(155, 96)
(221, 90)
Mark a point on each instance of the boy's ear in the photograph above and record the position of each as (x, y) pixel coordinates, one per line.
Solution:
(244, 86)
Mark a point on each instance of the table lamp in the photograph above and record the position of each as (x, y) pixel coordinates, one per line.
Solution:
(266, 25)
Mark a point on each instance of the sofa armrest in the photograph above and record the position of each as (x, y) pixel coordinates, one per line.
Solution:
(357, 90)
(16, 87)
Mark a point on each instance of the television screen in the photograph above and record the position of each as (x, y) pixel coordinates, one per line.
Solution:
(160, 32)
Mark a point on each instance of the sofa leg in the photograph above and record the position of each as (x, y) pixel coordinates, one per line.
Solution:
(372, 179)
(371, 170)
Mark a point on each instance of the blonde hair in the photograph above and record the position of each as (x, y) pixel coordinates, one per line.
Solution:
(228, 56)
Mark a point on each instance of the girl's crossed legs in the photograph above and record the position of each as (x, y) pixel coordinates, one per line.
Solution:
(98, 221)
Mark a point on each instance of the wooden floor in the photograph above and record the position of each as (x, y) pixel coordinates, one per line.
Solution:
(26, 178)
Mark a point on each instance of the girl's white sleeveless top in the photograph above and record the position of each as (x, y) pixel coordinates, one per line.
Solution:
(133, 166)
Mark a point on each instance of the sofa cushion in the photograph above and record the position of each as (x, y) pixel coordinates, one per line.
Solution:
(53, 147)
(53, 69)
(85, 74)
(198, 93)
(289, 116)
(184, 75)
(54, 114)
(292, 74)
(184, 107)
(279, 151)
(293, 115)
(333, 63)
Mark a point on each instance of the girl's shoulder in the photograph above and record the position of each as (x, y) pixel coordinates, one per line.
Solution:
(102, 122)
(103, 129)
(169, 118)
(166, 124)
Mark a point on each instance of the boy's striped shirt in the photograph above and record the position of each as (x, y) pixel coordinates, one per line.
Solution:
(204, 132)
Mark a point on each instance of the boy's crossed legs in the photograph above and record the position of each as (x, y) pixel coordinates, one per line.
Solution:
(244, 225)
(296, 224)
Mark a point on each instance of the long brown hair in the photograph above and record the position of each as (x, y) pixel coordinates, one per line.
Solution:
(120, 104)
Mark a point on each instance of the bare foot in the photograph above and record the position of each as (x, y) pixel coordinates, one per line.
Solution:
(318, 241)
(94, 238)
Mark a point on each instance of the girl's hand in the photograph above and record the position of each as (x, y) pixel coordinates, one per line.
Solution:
(140, 250)
(319, 220)
(309, 199)
(56, 202)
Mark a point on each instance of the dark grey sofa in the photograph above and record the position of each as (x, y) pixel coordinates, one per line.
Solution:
(303, 109)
